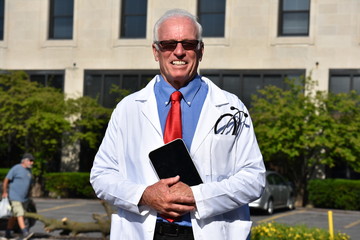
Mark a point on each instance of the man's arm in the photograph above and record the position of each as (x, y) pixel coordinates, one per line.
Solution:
(5, 188)
(169, 197)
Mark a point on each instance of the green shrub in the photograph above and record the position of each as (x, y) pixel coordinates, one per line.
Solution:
(277, 231)
(335, 193)
(69, 184)
(3, 172)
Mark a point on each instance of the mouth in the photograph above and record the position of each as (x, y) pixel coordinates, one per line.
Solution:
(178, 63)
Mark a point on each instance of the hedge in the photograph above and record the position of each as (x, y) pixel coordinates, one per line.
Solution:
(335, 193)
(69, 184)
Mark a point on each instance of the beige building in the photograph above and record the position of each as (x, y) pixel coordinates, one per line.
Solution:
(85, 46)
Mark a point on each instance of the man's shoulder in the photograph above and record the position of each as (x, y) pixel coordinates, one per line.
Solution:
(16, 167)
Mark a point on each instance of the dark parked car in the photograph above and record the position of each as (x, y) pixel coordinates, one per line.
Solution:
(278, 193)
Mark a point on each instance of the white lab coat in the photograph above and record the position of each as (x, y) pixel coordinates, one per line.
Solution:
(231, 168)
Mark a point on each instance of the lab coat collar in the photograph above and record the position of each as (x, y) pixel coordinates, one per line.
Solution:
(214, 100)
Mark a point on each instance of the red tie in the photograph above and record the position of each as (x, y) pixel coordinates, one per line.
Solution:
(173, 121)
(173, 124)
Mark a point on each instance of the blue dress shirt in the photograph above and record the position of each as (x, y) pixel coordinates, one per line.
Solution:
(194, 94)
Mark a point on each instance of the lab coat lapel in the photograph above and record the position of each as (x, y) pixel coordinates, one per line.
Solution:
(149, 107)
(209, 114)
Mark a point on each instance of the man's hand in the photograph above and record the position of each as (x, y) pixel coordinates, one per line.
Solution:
(169, 197)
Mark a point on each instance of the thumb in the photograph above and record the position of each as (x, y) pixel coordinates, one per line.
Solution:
(171, 181)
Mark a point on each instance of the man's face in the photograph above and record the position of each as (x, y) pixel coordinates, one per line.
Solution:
(27, 163)
(178, 66)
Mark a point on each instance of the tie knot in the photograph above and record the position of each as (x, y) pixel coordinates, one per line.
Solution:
(176, 96)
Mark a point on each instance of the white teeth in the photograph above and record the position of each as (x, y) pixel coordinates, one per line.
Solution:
(178, 62)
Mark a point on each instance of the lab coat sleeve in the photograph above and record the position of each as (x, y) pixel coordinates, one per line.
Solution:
(245, 184)
(109, 174)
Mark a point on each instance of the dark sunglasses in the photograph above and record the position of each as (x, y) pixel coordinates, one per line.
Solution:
(170, 45)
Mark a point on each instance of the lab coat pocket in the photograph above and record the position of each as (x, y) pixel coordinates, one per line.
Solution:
(222, 156)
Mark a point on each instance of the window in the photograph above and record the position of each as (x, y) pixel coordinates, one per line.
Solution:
(99, 84)
(343, 81)
(133, 19)
(53, 79)
(211, 15)
(294, 18)
(246, 83)
(2, 13)
(61, 19)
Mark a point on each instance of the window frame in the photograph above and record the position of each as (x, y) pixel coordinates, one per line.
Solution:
(281, 14)
(351, 73)
(2, 20)
(242, 74)
(52, 18)
(121, 74)
(199, 14)
(47, 74)
(123, 15)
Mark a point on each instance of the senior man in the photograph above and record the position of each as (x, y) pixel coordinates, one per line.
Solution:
(16, 186)
(217, 130)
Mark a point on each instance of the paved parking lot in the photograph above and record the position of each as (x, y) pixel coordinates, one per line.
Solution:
(81, 210)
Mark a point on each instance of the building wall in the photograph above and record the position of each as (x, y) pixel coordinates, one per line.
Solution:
(250, 40)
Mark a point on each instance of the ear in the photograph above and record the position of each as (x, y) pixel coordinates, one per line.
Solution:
(201, 51)
(155, 52)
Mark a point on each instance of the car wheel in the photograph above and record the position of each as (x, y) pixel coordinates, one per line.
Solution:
(291, 203)
(270, 207)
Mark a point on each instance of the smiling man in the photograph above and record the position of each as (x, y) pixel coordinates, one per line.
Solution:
(178, 62)
(179, 103)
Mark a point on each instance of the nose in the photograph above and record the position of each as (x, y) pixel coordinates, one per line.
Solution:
(179, 50)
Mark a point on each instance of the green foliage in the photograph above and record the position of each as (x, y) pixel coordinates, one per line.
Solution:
(335, 193)
(32, 117)
(88, 120)
(341, 129)
(299, 129)
(3, 172)
(277, 231)
(69, 184)
(42, 121)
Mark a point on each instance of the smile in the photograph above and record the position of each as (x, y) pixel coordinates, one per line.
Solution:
(178, 63)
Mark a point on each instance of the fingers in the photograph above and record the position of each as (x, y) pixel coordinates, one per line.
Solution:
(176, 210)
(170, 181)
(169, 197)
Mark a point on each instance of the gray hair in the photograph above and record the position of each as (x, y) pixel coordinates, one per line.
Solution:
(177, 13)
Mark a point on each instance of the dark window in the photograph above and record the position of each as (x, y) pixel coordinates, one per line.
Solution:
(53, 79)
(2, 13)
(133, 19)
(211, 15)
(343, 81)
(101, 84)
(294, 17)
(61, 19)
(246, 83)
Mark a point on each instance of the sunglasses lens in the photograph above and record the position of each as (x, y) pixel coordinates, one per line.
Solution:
(167, 45)
(190, 44)
(171, 45)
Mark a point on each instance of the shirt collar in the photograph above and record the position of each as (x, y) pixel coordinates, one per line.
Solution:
(188, 92)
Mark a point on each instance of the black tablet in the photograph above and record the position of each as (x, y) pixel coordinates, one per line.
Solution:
(173, 159)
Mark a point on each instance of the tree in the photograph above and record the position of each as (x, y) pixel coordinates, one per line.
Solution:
(41, 120)
(300, 129)
(32, 117)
